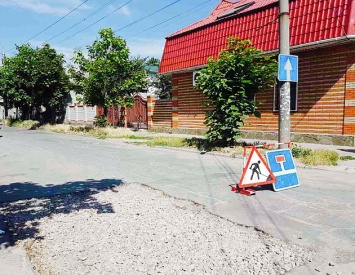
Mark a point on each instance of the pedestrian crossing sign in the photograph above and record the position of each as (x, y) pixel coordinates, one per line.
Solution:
(282, 165)
(256, 171)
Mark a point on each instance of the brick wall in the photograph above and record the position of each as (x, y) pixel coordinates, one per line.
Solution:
(188, 102)
(159, 113)
(349, 115)
(326, 96)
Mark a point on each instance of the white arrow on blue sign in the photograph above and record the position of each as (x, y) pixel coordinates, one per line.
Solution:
(288, 68)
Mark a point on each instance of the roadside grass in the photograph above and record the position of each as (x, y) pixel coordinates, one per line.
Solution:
(28, 124)
(102, 133)
(315, 157)
(345, 158)
(175, 142)
(320, 157)
(306, 156)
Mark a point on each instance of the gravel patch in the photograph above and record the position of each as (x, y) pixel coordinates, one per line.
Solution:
(133, 229)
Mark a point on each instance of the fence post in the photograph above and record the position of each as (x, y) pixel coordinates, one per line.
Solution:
(175, 104)
(68, 112)
(150, 105)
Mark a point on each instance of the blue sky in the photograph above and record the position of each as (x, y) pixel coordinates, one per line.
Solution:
(23, 19)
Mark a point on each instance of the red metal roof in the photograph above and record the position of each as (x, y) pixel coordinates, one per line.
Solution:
(310, 21)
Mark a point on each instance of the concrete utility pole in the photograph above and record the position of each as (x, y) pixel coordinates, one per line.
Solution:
(284, 98)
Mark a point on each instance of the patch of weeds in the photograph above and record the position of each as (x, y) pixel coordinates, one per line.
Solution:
(299, 152)
(28, 124)
(101, 134)
(347, 158)
(321, 157)
(137, 137)
(80, 128)
(168, 142)
(100, 121)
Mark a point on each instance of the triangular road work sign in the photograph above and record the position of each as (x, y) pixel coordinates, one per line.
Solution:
(256, 171)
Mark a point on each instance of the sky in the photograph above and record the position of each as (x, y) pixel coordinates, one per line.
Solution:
(29, 21)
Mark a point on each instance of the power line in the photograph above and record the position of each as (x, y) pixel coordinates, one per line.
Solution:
(60, 19)
(83, 20)
(149, 15)
(102, 18)
(171, 18)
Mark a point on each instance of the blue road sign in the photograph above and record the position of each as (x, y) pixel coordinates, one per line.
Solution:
(288, 68)
(283, 167)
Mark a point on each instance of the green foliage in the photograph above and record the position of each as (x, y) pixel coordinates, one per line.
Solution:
(347, 158)
(28, 124)
(100, 121)
(35, 77)
(315, 157)
(230, 84)
(153, 61)
(321, 157)
(107, 76)
(163, 83)
(298, 151)
(168, 141)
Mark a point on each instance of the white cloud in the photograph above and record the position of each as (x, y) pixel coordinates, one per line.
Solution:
(124, 10)
(146, 47)
(57, 7)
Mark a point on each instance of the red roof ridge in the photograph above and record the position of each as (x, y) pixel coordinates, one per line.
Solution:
(223, 7)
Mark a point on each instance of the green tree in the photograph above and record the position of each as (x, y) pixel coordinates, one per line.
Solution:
(107, 76)
(231, 83)
(35, 77)
(153, 61)
(163, 83)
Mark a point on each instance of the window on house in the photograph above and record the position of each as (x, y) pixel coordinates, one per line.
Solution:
(293, 94)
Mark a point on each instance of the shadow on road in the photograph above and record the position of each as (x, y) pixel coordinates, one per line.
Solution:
(23, 212)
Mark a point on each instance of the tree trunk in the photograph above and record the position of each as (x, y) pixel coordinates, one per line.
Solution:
(25, 112)
(105, 111)
(6, 107)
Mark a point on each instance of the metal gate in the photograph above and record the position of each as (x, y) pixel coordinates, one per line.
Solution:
(137, 116)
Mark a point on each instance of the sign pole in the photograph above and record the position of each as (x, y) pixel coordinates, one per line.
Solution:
(284, 94)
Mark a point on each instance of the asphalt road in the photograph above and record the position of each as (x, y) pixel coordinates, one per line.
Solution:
(320, 213)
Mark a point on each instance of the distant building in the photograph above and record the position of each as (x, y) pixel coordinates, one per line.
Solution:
(150, 89)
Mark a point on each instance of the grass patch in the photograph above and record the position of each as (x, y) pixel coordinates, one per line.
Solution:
(168, 142)
(321, 157)
(28, 124)
(347, 158)
(315, 157)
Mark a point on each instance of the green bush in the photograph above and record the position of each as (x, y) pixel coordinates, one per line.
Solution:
(100, 121)
(321, 157)
(298, 151)
(347, 158)
(230, 84)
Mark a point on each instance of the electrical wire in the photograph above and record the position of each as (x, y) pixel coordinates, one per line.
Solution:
(83, 20)
(97, 21)
(60, 19)
(171, 18)
(147, 16)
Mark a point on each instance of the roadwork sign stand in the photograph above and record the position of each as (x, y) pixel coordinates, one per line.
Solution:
(256, 171)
